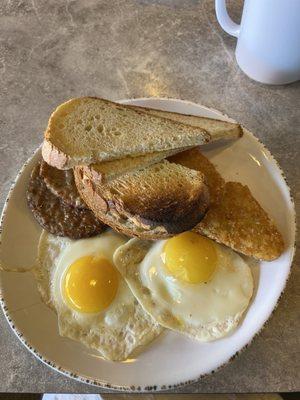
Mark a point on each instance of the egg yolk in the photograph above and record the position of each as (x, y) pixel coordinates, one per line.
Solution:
(90, 284)
(190, 257)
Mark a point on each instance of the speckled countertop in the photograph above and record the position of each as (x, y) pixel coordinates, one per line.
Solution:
(52, 50)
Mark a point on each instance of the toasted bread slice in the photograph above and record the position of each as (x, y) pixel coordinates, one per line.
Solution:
(238, 221)
(153, 203)
(109, 170)
(90, 130)
(216, 128)
(194, 159)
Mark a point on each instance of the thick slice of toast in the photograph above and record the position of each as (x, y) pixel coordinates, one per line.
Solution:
(153, 203)
(194, 159)
(234, 218)
(217, 130)
(90, 130)
(108, 170)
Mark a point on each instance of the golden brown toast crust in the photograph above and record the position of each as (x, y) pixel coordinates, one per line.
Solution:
(53, 156)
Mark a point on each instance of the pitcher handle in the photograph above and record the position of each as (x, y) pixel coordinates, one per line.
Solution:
(224, 20)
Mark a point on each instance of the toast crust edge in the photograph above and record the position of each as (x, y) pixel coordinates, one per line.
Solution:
(57, 158)
(140, 227)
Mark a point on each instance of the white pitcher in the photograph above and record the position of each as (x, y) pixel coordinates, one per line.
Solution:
(268, 47)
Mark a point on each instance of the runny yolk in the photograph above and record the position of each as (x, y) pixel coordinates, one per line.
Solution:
(90, 284)
(190, 257)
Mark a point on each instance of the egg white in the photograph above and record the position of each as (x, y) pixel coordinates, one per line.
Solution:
(103, 245)
(204, 311)
(114, 332)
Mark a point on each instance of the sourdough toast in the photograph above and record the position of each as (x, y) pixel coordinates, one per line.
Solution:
(154, 203)
(90, 130)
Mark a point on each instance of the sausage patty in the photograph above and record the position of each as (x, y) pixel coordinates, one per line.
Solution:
(57, 217)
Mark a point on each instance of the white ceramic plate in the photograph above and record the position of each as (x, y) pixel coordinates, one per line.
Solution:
(171, 359)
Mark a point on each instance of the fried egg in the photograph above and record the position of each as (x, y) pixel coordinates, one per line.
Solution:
(94, 304)
(188, 283)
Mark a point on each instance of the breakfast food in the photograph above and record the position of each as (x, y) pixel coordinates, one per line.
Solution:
(153, 203)
(195, 160)
(108, 170)
(234, 218)
(89, 130)
(57, 217)
(62, 184)
(188, 283)
(140, 172)
(238, 221)
(93, 302)
(216, 129)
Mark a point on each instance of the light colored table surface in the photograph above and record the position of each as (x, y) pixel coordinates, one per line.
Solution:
(53, 50)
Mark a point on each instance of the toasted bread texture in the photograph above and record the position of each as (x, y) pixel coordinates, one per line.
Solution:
(194, 159)
(89, 130)
(154, 203)
(216, 128)
(108, 170)
(234, 218)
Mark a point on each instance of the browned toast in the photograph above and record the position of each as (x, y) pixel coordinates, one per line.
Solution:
(89, 130)
(154, 203)
(194, 159)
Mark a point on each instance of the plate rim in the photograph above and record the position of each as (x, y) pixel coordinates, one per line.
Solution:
(132, 388)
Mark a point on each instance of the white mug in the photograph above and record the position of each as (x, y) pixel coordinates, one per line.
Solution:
(268, 47)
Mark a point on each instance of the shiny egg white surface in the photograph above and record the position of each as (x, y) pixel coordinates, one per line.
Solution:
(94, 304)
(188, 283)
